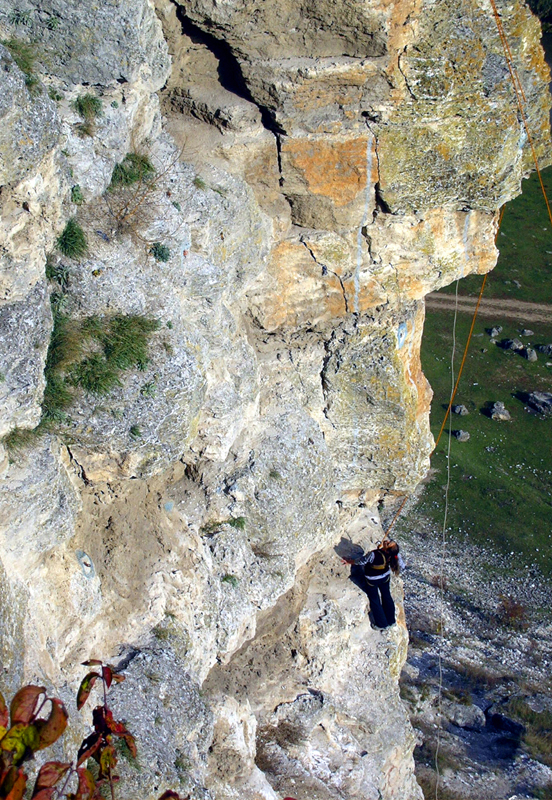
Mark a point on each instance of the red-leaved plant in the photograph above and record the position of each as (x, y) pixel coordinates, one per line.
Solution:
(35, 721)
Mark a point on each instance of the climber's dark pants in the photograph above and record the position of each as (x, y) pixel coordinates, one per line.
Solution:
(381, 602)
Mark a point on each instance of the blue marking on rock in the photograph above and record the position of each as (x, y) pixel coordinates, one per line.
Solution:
(169, 506)
(401, 334)
(86, 563)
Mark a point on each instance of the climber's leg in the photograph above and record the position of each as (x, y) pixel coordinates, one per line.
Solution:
(387, 601)
(380, 620)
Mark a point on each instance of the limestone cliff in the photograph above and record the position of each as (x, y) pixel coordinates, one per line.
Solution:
(310, 170)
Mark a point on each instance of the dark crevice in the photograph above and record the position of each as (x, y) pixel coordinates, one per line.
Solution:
(230, 74)
(279, 155)
(381, 205)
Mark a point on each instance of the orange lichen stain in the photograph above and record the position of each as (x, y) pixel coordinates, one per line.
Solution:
(371, 294)
(333, 169)
(411, 288)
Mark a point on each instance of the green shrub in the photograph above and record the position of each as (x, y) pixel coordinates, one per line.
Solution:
(53, 94)
(88, 106)
(77, 196)
(125, 342)
(148, 389)
(135, 431)
(199, 183)
(18, 440)
(160, 252)
(512, 614)
(20, 18)
(133, 168)
(58, 273)
(231, 579)
(538, 728)
(57, 397)
(95, 374)
(72, 242)
(237, 522)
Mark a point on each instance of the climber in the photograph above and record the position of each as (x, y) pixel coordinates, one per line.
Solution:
(377, 566)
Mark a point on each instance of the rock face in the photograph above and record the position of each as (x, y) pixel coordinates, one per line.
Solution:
(271, 192)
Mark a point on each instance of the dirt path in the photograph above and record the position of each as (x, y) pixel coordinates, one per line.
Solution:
(493, 307)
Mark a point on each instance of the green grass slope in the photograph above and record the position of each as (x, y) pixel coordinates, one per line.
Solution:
(501, 479)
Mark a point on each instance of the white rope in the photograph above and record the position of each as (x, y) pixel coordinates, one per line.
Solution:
(443, 556)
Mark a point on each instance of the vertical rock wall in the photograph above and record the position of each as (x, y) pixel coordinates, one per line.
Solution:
(319, 168)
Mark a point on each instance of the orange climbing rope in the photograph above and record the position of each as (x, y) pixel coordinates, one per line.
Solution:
(521, 99)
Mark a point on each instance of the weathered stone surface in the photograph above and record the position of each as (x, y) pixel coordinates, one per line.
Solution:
(357, 393)
(24, 334)
(465, 716)
(266, 31)
(29, 127)
(462, 436)
(95, 43)
(191, 387)
(461, 410)
(427, 160)
(40, 504)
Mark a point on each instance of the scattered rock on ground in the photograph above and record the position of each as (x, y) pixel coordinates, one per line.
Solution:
(529, 353)
(499, 412)
(495, 330)
(540, 402)
(468, 716)
(512, 344)
(526, 332)
(545, 348)
(461, 436)
(461, 410)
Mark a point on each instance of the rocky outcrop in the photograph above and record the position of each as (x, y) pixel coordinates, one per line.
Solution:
(308, 173)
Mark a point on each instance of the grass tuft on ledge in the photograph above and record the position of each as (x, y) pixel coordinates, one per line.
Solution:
(72, 242)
